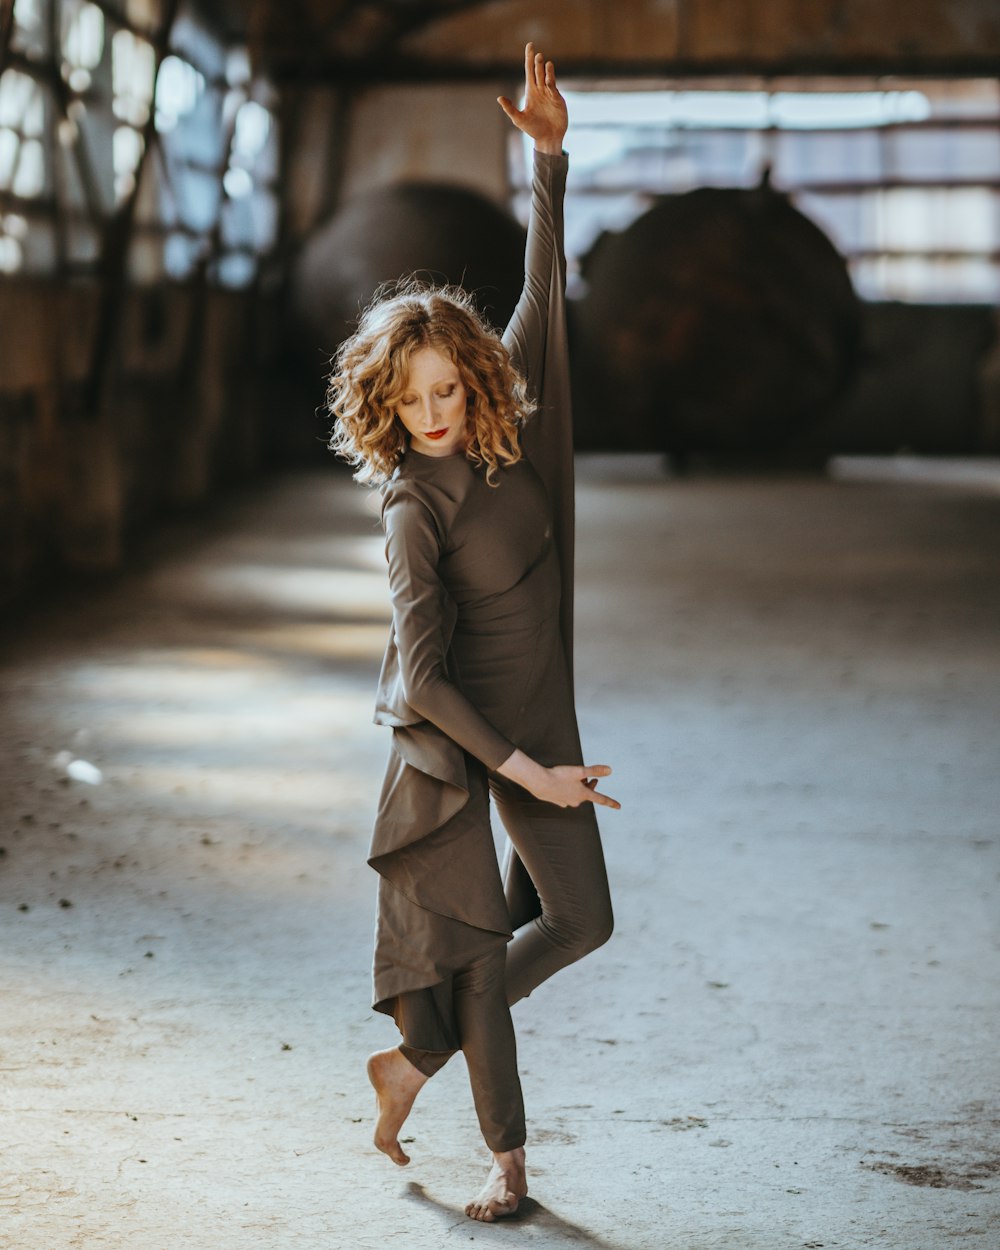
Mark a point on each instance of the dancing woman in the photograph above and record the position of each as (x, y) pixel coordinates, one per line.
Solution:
(469, 437)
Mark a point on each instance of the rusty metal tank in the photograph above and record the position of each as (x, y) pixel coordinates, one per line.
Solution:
(719, 321)
(442, 233)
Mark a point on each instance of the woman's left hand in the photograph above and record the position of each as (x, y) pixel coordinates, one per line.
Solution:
(544, 117)
(565, 785)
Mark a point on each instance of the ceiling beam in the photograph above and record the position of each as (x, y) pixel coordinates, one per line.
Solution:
(300, 67)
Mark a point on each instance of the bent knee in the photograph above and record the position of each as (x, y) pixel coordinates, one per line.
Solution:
(581, 938)
(600, 931)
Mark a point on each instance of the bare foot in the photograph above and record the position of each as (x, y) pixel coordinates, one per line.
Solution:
(505, 1186)
(396, 1083)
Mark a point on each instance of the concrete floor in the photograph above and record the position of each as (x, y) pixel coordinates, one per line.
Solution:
(790, 1042)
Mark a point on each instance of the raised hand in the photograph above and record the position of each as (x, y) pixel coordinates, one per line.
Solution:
(544, 117)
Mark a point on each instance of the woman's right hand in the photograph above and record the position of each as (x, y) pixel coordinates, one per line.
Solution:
(564, 785)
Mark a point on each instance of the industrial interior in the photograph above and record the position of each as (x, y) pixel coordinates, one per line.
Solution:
(783, 246)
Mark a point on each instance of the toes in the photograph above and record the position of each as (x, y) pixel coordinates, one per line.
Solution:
(392, 1148)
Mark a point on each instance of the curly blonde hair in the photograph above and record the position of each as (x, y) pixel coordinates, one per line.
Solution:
(370, 370)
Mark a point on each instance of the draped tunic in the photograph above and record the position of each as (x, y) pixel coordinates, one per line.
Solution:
(479, 659)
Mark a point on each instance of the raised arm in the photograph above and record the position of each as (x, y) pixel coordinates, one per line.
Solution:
(542, 296)
(544, 119)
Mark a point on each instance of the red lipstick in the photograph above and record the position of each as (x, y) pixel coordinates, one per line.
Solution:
(437, 433)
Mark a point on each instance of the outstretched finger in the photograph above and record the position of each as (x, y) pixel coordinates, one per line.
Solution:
(596, 770)
(550, 75)
(604, 800)
(529, 65)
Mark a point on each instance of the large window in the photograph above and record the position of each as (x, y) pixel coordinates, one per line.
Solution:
(84, 96)
(903, 176)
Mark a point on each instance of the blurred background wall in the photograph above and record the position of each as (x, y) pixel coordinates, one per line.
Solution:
(783, 226)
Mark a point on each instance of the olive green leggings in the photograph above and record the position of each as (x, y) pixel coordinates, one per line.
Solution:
(557, 893)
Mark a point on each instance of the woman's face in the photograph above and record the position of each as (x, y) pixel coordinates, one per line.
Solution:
(433, 405)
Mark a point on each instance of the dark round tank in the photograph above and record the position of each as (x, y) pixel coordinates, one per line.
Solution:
(441, 233)
(719, 321)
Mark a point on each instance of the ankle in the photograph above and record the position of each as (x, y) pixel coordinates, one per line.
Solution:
(509, 1158)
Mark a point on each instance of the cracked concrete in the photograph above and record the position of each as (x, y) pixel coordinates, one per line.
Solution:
(789, 1042)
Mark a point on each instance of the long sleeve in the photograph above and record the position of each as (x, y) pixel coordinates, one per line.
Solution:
(537, 341)
(421, 610)
(544, 270)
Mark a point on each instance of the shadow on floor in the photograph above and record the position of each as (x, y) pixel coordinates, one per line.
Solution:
(529, 1213)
